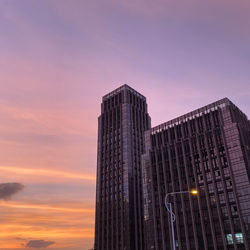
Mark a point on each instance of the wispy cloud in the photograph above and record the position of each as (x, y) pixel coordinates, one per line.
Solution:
(46, 207)
(34, 231)
(46, 121)
(47, 172)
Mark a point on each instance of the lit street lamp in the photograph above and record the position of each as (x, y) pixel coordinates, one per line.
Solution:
(168, 205)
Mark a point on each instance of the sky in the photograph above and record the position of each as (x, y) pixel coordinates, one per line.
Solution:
(59, 57)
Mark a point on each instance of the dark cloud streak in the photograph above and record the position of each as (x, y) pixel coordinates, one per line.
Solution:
(39, 243)
(9, 189)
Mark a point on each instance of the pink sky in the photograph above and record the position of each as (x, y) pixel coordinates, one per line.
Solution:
(58, 58)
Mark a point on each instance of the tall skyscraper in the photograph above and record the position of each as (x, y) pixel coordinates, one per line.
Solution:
(209, 149)
(119, 197)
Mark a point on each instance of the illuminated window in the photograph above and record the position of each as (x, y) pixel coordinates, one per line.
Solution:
(239, 238)
(230, 239)
(176, 243)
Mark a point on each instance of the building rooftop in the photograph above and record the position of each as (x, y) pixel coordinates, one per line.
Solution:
(122, 88)
(196, 113)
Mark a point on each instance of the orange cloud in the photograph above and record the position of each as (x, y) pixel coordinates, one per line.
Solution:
(32, 231)
(47, 172)
(45, 207)
(69, 226)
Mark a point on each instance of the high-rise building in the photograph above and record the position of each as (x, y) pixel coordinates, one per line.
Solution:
(119, 197)
(207, 149)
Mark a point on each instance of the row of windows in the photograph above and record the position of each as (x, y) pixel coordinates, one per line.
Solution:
(238, 238)
(136, 101)
(113, 101)
(182, 131)
(179, 151)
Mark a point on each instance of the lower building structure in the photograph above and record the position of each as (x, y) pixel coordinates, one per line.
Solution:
(207, 149)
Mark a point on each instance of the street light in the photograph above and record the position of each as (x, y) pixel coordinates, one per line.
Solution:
(168, 206)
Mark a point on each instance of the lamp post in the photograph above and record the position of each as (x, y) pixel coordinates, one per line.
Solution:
(168, 206)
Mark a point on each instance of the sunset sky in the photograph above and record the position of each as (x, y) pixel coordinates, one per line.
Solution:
(59, 57)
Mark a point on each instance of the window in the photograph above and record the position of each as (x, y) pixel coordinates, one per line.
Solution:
(210, 188)
(217, 173)
(209, 176)
(224, 211)
(213, 200)
(230, 239)
(239, 238)
(230, 196)
(234, 210)
(226, 172)
(219, 186)
(222, 198)
(229, 184)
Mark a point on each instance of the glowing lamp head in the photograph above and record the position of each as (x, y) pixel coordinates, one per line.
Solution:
(194, 191)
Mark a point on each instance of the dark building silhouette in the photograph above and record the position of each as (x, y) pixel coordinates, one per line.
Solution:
(209, 149)
(119, 197)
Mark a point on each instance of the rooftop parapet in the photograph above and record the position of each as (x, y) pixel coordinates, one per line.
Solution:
(196, 113)
(122, 88)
